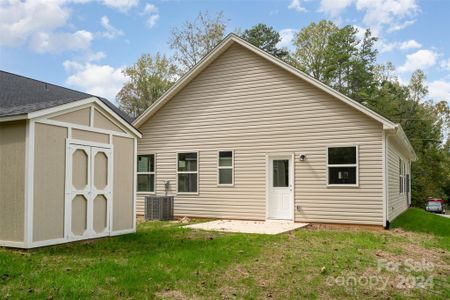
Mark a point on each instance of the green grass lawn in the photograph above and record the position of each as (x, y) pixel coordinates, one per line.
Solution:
(164, 260)
(418, 220)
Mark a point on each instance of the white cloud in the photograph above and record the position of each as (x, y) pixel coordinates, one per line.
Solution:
(287, 35)
(406, 45)
(43, 42)
(379, 13)
(384, 47)
(20, 20)
(40, 24)
(446, 64)
(152, 15)
(334, 7)
(151, 21)
(421, 59)
(100, 80)
(95, 56)
(397, 27)
(411, 44)
(392, 15)
(439, 90)
(295, 5)
(110, 32)
(122, 5)
(360, 33)
(150, 9)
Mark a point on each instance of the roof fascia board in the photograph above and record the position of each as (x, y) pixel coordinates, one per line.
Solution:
(400, 137)
(55, 109)
(13, 118)
(223, 46)
(60, 108)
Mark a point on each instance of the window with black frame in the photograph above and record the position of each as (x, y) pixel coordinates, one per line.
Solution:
(187, 172)
(343, 166)
(146, 173)
(225, 166)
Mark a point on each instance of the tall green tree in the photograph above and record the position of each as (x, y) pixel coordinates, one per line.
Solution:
(422, 123)
(148, 78)
(265, 38)
(194, 39)
(312, 49)
(338, 58)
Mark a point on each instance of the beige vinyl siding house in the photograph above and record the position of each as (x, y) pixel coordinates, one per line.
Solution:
(399, 193)
(66, 171)
(292, 148)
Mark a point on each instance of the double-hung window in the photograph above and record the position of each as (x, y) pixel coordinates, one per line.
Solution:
(187, 172)
(401, 177)
(225, 165)
(342, 166)
(146, 173)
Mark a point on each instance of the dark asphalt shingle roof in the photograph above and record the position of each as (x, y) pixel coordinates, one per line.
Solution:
(21, 95)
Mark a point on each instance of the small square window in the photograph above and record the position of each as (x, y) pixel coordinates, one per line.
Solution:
(146, 163)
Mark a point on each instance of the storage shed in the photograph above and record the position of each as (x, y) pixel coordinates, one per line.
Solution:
(67, 162)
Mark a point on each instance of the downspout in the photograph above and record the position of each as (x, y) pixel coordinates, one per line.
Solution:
(385, 180)
(386, 134)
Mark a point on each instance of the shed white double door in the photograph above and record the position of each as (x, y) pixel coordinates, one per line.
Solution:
(88, 191)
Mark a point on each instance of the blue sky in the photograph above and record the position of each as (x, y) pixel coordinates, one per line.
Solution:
(84, 44)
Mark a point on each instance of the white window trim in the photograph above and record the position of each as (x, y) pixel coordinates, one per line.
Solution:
(225, 167)
(355, 185)
(147, 173)
(402, 176)
(188, 172)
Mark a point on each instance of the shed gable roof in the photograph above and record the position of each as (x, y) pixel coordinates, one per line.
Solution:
(22, 95)
(25, 98)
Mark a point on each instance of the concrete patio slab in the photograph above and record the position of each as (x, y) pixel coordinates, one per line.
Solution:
(258, 227)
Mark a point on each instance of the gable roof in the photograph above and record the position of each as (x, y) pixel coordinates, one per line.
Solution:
(224, 45)
(21, 95)
(234, 39)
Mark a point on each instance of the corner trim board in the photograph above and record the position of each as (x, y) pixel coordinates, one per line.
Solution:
(29, 182)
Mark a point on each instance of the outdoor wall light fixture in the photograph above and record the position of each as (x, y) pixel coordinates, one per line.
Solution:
(302, 157)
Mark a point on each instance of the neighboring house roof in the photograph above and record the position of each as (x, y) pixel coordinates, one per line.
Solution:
(234, 39)
(21, 95)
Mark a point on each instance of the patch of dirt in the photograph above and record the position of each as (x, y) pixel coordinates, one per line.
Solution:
(264, 272)
(344, 227)
(173, 294)
(184, 220)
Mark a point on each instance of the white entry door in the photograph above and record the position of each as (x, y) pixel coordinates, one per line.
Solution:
(88, 191)
(280, 191)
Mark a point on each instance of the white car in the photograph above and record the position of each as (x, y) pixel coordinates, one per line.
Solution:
(435, 207)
